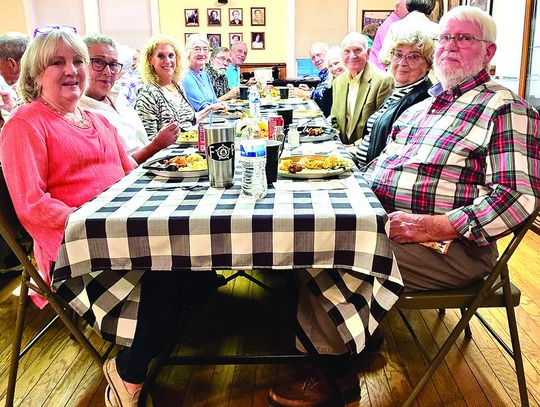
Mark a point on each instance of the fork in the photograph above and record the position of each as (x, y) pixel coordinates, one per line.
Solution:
(173, 187)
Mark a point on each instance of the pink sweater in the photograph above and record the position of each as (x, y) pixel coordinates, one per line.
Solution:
(52, 167)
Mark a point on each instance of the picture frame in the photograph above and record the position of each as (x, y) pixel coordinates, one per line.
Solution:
(258, 40)
(235, 37)
(374, 17)
(186, 36)
(214, 17)
(258, 16)
(214, 40)
(486, 5)
(236, 17)
(192, 17)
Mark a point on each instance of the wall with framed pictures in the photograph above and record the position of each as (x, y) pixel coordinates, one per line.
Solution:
(224, 24)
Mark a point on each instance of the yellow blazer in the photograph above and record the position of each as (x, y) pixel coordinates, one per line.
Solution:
(375, 85)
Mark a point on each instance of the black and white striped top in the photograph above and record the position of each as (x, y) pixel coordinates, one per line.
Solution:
(397, 94)
(158, 108)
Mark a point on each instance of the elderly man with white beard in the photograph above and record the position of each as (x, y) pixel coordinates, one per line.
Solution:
(220, 58)
(460, 167)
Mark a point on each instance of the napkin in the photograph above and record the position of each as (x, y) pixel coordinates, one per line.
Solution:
(314, 148)
(313, 185)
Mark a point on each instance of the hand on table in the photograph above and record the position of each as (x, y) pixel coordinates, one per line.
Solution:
(300, 92)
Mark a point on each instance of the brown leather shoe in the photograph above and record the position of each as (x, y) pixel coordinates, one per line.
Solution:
(314, 391)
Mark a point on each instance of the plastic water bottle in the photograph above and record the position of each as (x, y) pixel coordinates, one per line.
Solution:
(293, 137)
(253, 159)
(254, 102)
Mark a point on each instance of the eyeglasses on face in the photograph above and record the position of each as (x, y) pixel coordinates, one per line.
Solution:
(224, 58)
(463, 40)
(99, 65)
(201, 49)
(46, 29)
(411, 58)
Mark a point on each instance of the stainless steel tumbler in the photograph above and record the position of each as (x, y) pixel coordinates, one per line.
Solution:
(220, 154)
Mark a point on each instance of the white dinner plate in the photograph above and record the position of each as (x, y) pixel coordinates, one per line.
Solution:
(153, 167)
(313, 174)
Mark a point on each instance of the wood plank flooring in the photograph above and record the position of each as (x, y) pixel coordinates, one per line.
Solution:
(243, 318)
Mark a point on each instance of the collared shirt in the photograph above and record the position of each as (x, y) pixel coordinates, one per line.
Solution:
(470, 152)
(352, 94)
(233, 75)
(126, 87)
(318, 93)
(219, 81)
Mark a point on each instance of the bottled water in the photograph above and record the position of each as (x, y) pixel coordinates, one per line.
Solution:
(293, 137)
(253, 159)
(254, 102)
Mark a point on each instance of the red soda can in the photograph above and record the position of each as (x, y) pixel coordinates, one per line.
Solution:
(202, 138)
(274, 121)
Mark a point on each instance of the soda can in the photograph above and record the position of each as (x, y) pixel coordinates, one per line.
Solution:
(201, 143)
(274, 121)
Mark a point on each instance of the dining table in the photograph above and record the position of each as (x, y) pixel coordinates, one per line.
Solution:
(333, 232)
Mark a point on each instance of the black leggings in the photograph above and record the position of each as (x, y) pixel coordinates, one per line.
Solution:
(159, 316)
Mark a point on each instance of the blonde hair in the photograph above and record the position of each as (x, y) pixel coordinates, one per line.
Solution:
(419, 39)
(148, 73)
(39, 55)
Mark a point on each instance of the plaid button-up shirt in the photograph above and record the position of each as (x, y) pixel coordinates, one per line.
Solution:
(471, 152)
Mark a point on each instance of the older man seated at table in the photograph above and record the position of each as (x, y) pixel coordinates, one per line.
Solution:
(220, 58)
(357, 94)
(317, 54)
(461, 167)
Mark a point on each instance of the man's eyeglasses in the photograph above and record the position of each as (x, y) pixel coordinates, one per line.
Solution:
(412, 58)
(99, 65)
(223, 58)
(46, 29)
(464, 41)
(201, 49)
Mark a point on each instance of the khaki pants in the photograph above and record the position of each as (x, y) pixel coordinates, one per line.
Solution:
(421, 268)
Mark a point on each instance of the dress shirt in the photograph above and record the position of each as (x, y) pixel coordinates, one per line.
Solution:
(352, 94)
(233, 75)
(470, 152)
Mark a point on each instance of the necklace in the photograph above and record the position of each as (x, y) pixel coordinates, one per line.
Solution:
(79, 121)
(171, 88)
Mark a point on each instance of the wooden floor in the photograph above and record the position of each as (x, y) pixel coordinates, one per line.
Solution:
(475, 373)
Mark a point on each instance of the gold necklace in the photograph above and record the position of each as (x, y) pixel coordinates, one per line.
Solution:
(81, 122)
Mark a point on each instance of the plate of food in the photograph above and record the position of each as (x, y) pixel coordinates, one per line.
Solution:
(178, 166)
(309, 134)
(313, 166)
(187, 137)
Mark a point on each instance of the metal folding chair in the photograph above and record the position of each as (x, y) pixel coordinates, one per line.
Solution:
(9, 229)
(495, 290)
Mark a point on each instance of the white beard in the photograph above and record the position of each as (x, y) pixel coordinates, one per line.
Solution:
(450, 78)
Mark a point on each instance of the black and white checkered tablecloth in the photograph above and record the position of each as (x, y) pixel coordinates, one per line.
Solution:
(337, 236)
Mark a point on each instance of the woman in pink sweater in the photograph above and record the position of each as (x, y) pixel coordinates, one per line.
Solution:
(55, 157)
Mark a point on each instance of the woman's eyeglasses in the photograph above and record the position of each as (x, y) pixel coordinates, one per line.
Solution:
(411, 58)
(46, 29)
(99, 65)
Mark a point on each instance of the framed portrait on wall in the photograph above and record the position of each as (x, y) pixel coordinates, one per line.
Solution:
(258, 15)
(214, 16)
(214, 40)
(235, 37)
(235, 16)
(192, 17)
(374, 17)
(485, 5)
(257, 40)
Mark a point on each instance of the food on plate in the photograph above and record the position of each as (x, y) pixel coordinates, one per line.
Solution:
(314, 163)
(313, 131)
(192, 162)
(187, 137)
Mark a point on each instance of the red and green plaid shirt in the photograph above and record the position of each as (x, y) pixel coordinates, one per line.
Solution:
(471, 152)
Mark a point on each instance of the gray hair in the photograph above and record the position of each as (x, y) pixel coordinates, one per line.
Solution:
(13, 45)
(418, 39)
(100, 39)
(334, 52)
(319, 46)
(39, 55)
(474, 15)
(354, 36)
(193, 39)
(217, 51)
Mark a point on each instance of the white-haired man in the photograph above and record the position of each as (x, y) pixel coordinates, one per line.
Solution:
(461, 166)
